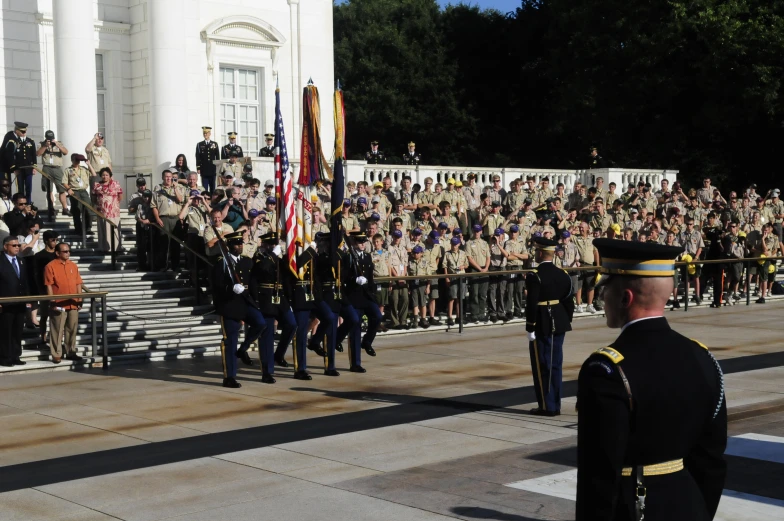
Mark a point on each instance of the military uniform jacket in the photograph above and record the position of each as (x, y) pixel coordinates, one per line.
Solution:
(228, 149)
(18, 152)
(303, 294)
(676, 410)
(374, 158)
(206, 153)
(548, 283)
(267, 152)
(412, 159)
(267, 273)
(358, 266)
(326, 272)
(227, 303)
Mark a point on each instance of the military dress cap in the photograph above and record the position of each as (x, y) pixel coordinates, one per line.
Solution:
(374, 142)
(234, 238)
(411, 144)
(544, 244)
(417, 249)
(50, 234)
(18, 125)
(359, 236)
(638, 259)
(205, 129)
(271, 200)
(269, 238)
(323, 236)
(269, 136)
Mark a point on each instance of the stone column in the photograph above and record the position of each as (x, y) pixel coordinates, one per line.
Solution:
(168, 92)
(74, 60)
(295, 136)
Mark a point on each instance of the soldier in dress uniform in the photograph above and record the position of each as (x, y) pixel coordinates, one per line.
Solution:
(19, 151)
(652, 416)
(595, 160)
(235, 303)
(231, 146)
(548, 316)
(412, 157)
(274, 304)
(359, 293)
(328, 270)
(269, 149)
(374, 156)
(206, 153)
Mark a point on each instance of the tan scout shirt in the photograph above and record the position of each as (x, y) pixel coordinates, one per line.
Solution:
(585, 248)
(52, 156)
(77, 178)
(380, 263)
(165, 200)
(209, 235)
(99, 157)
(471, 195)
(478, 251)
(455, 262)
(398, 258)
(515, 246)
(433, 255)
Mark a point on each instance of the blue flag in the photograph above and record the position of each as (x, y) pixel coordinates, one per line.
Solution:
(337, 195)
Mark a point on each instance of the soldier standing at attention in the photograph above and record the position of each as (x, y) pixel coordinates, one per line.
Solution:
(374, 156)
(548, 316)
(231, 146)
(412, 157)
(235, 304)
(269, 149)
(19, 151)
(595, 160)
(652, 416)
(206, 153)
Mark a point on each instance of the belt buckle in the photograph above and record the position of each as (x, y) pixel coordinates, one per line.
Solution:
(308, 297)
(276, 300)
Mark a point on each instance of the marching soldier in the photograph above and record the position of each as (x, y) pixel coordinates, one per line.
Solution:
(548, 316)
(374, 156)
(273, 303)
(234, 302)
(328, 271)
(635, 459)
(269, 149)
(231, 146)
(206, 153)
(412, 157)
(359, 292)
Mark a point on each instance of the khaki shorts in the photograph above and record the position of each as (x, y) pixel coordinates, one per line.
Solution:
(418, 297)
(382, 294)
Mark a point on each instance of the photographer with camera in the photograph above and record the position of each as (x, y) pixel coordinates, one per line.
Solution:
(195, 214)
(51, 153)
(97, 155)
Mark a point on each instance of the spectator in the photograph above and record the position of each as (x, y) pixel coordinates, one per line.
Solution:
(180, 169)
(98, 156)
(76, 181)
(61, 277)
(15, 219)
(51, 152)
(40, 260)
(166, 204)
(211, 238)
(195, 215)
(14, 282)
(6, 204)
(144, 233)
(107, 195)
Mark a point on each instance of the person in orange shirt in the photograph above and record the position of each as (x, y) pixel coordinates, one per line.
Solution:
(61, 277)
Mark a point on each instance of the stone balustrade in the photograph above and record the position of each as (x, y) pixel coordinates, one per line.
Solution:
(264, 168)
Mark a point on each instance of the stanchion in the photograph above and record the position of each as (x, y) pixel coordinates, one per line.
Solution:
(94, 324)
(748, 283)
(105, 334)
(460, 298)
(114, 245)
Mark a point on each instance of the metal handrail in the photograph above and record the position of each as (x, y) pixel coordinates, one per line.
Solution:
(181, 242)
(93, 296)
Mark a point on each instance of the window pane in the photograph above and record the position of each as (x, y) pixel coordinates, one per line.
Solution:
(253, 143)
(252, 113)
(243, 92)
(251, 77)
(99, 81)
(101, 106)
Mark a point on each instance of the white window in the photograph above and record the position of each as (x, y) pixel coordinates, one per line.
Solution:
(100, 83)
(240, 110)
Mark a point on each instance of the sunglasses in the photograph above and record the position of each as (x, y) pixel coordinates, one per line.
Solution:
(64, 251)
(14, 245)
(21, 204)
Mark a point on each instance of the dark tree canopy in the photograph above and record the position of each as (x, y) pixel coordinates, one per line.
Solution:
(688, 84)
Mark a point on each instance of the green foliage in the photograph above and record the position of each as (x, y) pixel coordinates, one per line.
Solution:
(689, 84)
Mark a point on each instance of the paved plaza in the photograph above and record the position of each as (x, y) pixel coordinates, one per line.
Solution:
(437, 429)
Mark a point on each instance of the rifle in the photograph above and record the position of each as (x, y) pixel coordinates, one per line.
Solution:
(224, 248)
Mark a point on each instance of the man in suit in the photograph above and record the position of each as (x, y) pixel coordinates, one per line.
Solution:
(235, 303)
(14, 279)
(548, 316)
(652, 415)
(359, 293)
(207, 152)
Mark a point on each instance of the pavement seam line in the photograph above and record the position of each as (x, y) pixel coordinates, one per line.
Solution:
(75, 503)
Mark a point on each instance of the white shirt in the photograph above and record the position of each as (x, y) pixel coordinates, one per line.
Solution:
(639, 320)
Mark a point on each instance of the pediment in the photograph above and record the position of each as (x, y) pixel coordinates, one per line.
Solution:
(246, 30)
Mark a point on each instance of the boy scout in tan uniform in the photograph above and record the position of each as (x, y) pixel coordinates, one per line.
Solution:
(380, 258)
(419, 266)
(433, 254)
(398, 260)
(455, 262)
(478, 253)
(494, 220)
(515, 286)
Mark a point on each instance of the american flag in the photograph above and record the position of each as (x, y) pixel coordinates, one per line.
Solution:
(284, 191)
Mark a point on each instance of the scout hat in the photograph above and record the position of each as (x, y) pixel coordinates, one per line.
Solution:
(635, 259)
(234, 238)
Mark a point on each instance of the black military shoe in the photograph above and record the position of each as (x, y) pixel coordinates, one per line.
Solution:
(450, 322)
(331, 372)
(339, 348)
(316, 348)
(245, 357)
(370, 351)
(267, 378)
(281, 362)
(302, 375)
(542, 412)
(493, 319)
(232, 383)
(357, 369)
(423, 324)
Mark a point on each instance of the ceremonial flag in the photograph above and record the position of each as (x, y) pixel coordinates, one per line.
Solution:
(338, 182)
(284, 190)
(313, 164)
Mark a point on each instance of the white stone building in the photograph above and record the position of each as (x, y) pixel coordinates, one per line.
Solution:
(151, 73)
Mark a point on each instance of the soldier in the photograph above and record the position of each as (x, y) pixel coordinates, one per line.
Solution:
(328, 270)
(633, 461)
(412, 157)
(374, 156)
(596, 161)
(231, 146)
(19, 158)
(360, 299)
(269, 149)
(515, 286)
(206, 153)
(234, 302)
(478, 253)
(548, 316)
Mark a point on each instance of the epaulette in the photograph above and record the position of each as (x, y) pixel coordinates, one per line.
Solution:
(700, 344)
(614, 356)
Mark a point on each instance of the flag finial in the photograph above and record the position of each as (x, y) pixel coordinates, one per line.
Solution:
(310, 81)
(338, 85)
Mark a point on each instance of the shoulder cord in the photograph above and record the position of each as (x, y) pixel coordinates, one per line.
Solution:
(721, 385)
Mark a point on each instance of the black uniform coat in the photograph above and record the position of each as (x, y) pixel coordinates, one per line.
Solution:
(229, 148)
(412, 159)
(596, 161)
(376, 158)
(227, 303)
(549, 283)
(267, 270)
(326, 274)
(206, 153)
(356, 295)
(678, 412)
(300, 289)
(267, 152)
(17, 152)
(13, 286)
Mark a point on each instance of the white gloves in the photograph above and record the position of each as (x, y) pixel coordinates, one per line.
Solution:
(361, 280)
(277, 250)
(238, 288)
(531, 336)
(313, 245)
